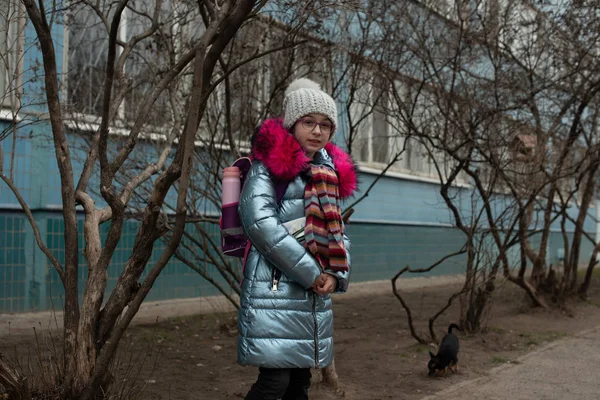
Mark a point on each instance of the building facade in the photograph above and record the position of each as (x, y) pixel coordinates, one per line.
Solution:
(403, 220)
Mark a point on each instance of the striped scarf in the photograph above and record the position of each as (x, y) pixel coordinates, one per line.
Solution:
(323, 231)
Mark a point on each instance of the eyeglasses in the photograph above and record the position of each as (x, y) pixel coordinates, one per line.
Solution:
(310, 124)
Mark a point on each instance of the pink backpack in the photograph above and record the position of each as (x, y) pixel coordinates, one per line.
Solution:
(234, 241)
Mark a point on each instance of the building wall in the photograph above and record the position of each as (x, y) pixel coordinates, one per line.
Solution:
(402, 222)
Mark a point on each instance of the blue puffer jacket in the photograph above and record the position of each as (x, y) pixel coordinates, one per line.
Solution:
(291, 327)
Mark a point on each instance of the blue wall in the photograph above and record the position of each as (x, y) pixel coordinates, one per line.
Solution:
(412, 201)
(401, 223)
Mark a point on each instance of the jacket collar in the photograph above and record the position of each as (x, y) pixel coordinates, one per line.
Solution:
(285, 159)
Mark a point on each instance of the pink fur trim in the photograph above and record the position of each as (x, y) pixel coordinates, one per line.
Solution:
(345, 168)
(283, 156)
(279, 150)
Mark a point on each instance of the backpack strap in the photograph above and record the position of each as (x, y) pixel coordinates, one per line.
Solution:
(244, 164)
(280, 188)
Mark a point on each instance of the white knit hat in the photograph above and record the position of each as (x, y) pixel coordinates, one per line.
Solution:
(303, 97)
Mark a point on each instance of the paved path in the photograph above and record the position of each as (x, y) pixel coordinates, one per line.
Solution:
(564, 370)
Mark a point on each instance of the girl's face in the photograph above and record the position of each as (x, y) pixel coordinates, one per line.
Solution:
(313, 131)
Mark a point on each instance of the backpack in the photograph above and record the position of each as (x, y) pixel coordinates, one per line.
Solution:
(234, 241)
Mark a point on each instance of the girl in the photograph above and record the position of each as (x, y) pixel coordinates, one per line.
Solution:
(285, 319)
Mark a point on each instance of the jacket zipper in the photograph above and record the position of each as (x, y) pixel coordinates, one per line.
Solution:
(275, 277)
(316, 331)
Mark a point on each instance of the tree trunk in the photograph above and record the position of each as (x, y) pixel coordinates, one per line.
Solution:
(63, 159)
(588, 195)
(585, 285)
(470, 319)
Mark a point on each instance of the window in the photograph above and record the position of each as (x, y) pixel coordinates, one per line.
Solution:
(256, 89)
(247, 97)
(239, 102)
(371, 116)
(313, 61)
(359, 129)
(306, 60)
(87, 53)
(380, 132)
(380, 141)
(4, 27)
(10, 16)
(146, 64)
(468, 12)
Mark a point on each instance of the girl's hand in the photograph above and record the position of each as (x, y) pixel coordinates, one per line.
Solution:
(320, 281)
(325, 284)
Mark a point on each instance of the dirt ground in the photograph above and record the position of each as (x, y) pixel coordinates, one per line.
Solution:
(376, 358)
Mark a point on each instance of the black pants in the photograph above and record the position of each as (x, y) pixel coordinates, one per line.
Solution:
(281, 383)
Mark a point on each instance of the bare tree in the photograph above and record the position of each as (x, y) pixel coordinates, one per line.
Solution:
(514, 104)
(177, 90)
(555, 78)
(501, 97)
